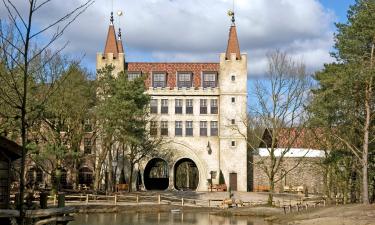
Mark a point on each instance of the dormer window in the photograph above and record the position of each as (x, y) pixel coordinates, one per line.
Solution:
(159, 80)
(209, 80)
(184, 80)
(133, 75)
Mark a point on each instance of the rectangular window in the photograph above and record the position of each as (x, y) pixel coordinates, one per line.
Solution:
(159, 80)
(164, 128)
(133, 75)
(154, 106)
(189, 128)
(164, 106)
(178, 106)
(213, 106)
(214, 129)
(203, 128)
(87, 145)
(87, 125)
(203, 106)
(184, 80)
(189, 106)
(209, 80)
(178, 128)
(233, 99)
(153, 128)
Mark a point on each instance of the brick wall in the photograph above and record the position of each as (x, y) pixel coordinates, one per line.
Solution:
(307, 173)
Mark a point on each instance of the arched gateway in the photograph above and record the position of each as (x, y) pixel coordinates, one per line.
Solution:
(156, 174)
(186, 175)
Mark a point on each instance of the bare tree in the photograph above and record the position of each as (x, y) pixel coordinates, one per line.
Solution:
(279, 111)
(21, 72)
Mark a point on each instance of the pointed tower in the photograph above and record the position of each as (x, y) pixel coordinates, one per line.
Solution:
(113, 55)
(120, 47)
(233, 109)
(233, 46)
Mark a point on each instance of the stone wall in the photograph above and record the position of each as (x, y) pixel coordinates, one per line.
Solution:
(308, 173)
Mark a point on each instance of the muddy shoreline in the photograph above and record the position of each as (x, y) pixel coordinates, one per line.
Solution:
(330, 215)
(243, 211)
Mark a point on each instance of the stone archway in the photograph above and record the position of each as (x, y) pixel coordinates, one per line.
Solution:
(186, 175)
(85, 176)
(156, 174)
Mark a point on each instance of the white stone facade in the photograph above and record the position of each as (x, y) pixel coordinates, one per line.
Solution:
(225, 150)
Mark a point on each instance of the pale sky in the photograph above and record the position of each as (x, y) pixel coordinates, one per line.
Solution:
(197, 30)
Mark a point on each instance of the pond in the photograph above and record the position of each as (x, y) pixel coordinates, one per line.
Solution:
(190, 218)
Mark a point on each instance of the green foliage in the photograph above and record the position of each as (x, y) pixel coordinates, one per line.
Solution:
(122, 106)
(354, 39)
(339, 105)
(62, 122)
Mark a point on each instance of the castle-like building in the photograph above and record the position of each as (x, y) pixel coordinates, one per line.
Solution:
(200, 108)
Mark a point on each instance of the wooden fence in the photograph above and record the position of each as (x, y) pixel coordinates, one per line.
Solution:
(159, 199)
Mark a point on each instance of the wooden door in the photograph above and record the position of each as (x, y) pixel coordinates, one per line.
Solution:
(233, 181)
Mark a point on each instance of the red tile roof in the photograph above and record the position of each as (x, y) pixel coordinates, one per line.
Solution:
(294, 138)
(171, 70)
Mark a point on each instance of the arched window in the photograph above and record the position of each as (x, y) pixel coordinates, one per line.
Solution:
(85, 176)
(63, 177)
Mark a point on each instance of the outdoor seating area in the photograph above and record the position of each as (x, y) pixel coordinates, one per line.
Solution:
(217, 187)
(261, 188)
(294, 189)
(122, 187)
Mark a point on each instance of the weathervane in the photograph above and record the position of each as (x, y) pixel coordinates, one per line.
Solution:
(231, 14)
(111, 20)
(119, 14)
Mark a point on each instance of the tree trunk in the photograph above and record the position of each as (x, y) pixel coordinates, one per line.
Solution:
(75, 174)
(365, 198)
(131, 177)
(97, 176)
(110, 172)
(272, 189)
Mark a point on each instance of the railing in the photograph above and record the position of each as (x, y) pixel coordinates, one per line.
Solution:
(159, 199)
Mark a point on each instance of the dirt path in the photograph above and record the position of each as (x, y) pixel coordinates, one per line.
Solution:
(341, 215)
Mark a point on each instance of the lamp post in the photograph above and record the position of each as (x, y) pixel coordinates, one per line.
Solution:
(208, 148)
(211, 172)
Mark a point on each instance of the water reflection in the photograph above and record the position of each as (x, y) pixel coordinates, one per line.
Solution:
(163, 219)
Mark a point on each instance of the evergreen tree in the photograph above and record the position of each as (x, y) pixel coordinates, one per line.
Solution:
(344, 100)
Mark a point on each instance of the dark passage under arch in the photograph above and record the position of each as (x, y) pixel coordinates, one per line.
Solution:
(156, 174)
(186, 175)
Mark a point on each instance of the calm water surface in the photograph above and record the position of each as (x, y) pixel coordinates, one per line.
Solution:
(163, 219)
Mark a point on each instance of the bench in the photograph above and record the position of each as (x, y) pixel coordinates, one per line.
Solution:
(122, 187)
(217, 187)
(261, 188)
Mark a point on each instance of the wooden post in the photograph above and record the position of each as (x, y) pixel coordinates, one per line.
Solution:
(87, 199)
(115, 199)
(43, 200)
(182, 201)
(209, 203)
(54, 200)
(137, 198)
(61, 200)
(159, 200)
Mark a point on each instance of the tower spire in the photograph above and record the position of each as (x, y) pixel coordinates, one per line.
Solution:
(233, 46)
(119, 42)
(111, 42)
